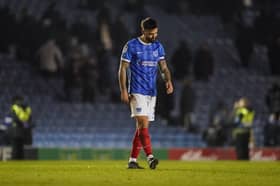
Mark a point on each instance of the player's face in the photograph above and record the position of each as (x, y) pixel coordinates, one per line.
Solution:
(150, 34)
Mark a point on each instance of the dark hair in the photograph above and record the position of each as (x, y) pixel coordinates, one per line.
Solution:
(148, 23)
(17, 99)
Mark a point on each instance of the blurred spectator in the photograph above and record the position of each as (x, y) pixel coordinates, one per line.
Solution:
(274, 55)
(187, 106)
(244, 42)
(217, 133)
(271, 130)
(89, 75)
(272, 127)
(104, 13)
(203, 63)
(273, 99)
(82, 30)
(119, 34)
(50, 12)
(106, 36)
(105, 66)
(54, 23)
(104, 33)
(246, 17)
(72, 46)
(8, 29)
(165, 102)
(181, 61)
(72, 72)
(5, 138)
(29, 28)
(114, 94)
(242, 133)
(51, 61)
(263, 26)
(227, 10)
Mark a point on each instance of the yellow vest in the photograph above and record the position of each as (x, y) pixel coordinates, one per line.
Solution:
(247, 116)
(22, 114)
(246, 121)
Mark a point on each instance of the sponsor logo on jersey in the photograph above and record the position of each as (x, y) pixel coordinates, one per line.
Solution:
(138, 109)
(149, 63)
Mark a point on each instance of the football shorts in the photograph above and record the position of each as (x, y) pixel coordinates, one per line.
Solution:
(143, 105)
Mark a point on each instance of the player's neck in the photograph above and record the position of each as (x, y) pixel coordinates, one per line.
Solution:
(143, 39)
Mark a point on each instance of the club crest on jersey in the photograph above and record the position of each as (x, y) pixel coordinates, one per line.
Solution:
(138, 109)
(155, 53)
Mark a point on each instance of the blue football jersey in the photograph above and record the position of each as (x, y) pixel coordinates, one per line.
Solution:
(143, 59)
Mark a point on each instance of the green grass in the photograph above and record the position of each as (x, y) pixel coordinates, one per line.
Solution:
(171, 173)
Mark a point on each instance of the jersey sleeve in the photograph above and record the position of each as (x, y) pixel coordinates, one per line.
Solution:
(161, 52)
(126, 53)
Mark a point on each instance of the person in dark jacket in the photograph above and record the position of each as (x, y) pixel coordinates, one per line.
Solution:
(187, 105)
(203, 63)
(272, 126)
(181, 61)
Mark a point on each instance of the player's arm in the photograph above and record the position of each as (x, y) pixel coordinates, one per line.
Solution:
(122, 81)
(167, 76)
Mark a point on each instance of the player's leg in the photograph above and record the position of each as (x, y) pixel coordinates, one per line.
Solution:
(142, 109)
(135, 150)
(153, 162)
(143, 126)
(136, 143)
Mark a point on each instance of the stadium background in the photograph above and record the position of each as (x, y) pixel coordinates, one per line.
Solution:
(73, 129)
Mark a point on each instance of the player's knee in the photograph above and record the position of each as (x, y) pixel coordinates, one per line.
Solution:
(142, 122)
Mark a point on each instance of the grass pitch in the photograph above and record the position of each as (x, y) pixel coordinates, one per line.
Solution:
(171, 173)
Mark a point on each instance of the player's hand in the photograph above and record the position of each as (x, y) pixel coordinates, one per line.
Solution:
(169, 87)
(125, 97)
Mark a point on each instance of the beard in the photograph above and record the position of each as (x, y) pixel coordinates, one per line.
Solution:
(150, 40)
